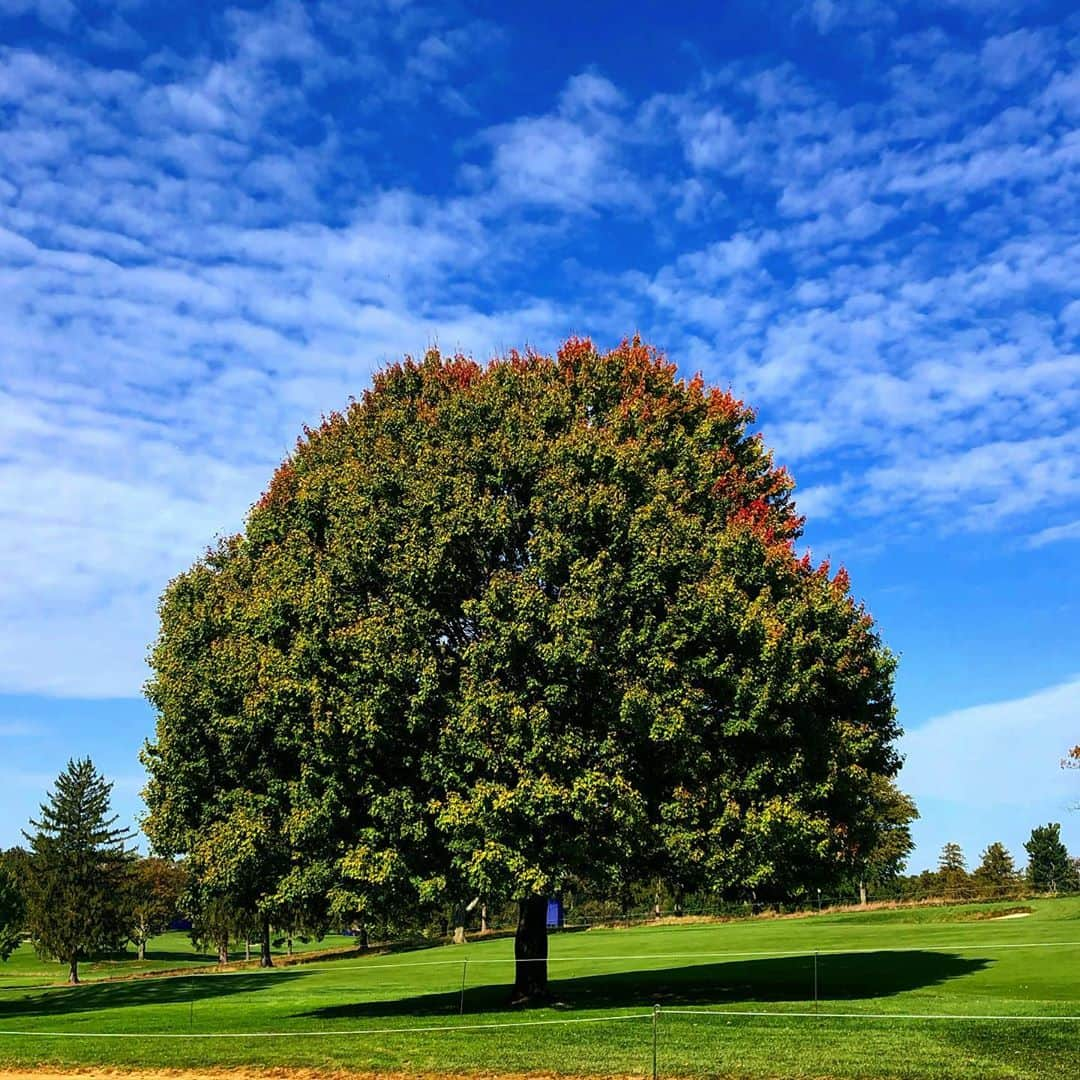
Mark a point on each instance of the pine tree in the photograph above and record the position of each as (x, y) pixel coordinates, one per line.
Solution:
(79, 865)
(1049, 867)
(996, 872)
(951, 859)
(953, 870)
(12, 912)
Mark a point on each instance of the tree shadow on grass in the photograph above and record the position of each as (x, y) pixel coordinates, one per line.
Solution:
(841, 976)
(158, 955)
(94, 996)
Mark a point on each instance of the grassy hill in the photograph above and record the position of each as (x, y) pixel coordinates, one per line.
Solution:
(882, 970)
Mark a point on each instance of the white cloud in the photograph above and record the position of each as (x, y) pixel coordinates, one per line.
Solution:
(903, 292)
(17, 729)
(56, 14)
(829, 15)
(1003, 754)
(992, 773)
(569, 159)
(1055, 534)
(184, 281)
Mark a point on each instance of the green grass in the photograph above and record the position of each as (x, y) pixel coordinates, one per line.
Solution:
(920, 962)
(168, 952)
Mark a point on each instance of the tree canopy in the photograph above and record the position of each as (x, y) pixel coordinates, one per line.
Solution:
(495, 626)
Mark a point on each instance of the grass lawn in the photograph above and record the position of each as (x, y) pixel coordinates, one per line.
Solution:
(351, 1013)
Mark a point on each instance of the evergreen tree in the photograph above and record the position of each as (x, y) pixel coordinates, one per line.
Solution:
(79, 866)
(997, 871)
(951, 860)
(1049, 867)
(12, 912)
(953, 870)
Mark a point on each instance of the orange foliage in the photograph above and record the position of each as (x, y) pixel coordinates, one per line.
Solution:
(282, 487)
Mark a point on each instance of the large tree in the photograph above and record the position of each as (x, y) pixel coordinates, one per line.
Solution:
(78, 870)
(498, 627)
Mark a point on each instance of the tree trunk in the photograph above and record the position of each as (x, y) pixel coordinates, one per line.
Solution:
(265, 959)
(363, 936)
(531, 952)
(73, 970)
(483, 919)
(142, 949)
(247, 949)
(223, 950)
(288, 946)
(862, 893)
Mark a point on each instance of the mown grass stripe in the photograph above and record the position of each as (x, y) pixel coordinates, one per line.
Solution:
(325, 1034)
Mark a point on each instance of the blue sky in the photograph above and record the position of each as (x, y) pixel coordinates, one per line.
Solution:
(216, 221)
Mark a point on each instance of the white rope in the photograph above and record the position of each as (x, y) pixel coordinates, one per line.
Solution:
(429, 1028)
(321, 1034)
(865, 1016)
(592, 958)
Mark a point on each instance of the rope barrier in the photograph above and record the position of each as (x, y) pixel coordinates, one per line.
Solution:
(324, 1034)
(774, 1014)
(653, 1015)
(592, 958)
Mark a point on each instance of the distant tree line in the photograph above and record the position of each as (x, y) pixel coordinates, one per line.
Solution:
(1050, 869)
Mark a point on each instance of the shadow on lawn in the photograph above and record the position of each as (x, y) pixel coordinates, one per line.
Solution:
(92, 996)
(840, 976)
(168, 956)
